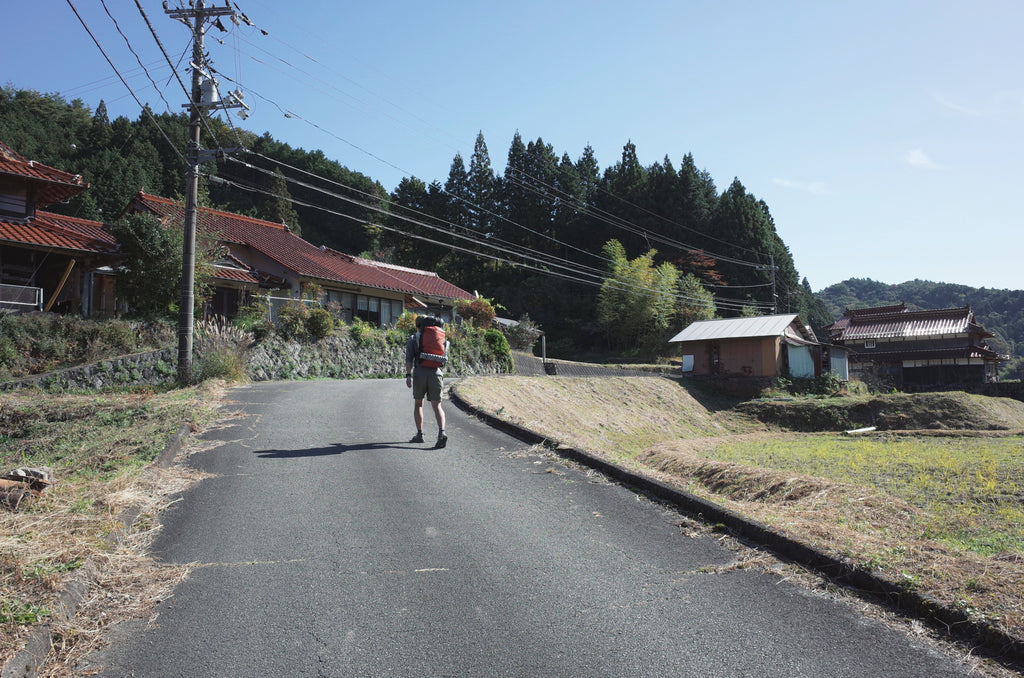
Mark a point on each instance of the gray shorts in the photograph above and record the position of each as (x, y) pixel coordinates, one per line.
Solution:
(428, 385)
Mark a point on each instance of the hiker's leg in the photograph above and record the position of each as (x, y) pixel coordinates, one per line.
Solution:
(417, 414)
(438, 414)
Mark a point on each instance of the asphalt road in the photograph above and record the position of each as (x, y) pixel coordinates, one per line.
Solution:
(326, 545)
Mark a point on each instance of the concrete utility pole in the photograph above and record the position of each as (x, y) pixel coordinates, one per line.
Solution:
(199, 14)
(188, 258)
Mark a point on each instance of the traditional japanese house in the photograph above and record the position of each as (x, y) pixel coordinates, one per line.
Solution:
(892, 346)
(262, 257)
(49, 261)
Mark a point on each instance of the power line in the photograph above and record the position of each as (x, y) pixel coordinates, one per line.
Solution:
(722, 301)
(619, 222)
(174, 71)
(134, 53)
(570, 273)
(592, 211)
(125, 82)
(518, 250)
(404, 207)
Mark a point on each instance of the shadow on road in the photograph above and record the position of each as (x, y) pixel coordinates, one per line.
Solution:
(338, 448)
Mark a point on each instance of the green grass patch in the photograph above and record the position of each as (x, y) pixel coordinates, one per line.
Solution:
(87, 436)
(17, 612)
(972, 489)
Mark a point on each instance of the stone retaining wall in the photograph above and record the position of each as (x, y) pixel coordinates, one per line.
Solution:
(273, 359)
(153, 368)
(341, 357)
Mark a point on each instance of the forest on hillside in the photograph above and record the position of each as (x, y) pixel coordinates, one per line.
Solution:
(536, 236)
(998, 311)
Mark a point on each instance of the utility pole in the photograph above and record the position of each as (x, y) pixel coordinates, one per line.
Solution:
(199, 14)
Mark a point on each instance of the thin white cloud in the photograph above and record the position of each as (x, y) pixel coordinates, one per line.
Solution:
(998, 104)
(918, 158)
(958, 108)
(812, 187)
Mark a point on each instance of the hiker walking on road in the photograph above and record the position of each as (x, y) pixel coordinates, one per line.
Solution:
(423, 374)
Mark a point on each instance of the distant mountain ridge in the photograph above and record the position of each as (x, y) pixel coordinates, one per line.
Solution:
(999, 311)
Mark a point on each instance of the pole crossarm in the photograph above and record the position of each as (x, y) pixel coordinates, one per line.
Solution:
(202, 12)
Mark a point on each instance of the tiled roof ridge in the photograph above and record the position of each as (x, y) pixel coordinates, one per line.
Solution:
(9, 153)
(400, 285)
(65, 217)
(875, 310)
(59, 176)
(227, 256)
(396, 267)
(94, 231)
(212, 211)
(912, 315)
(337, 253)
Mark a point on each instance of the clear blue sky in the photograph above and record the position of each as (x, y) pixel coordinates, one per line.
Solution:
(887, 137)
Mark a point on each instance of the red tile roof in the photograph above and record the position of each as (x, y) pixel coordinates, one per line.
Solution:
(292, 252)
(55, 185)
(236, 274)
(415, 280)
(59, 232)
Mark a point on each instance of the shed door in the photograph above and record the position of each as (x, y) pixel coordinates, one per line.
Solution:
(687, 363)
(801, 365)
(840, 367)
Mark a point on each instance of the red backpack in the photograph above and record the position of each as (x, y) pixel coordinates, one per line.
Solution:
(433, 347)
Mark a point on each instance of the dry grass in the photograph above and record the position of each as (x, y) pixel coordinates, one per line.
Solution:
(654, 426)
(876, 530)
(617, 415)
(100, 448)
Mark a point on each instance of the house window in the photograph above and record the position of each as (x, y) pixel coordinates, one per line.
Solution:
(368, 309)
(348, 306)
(390, 312)
(869, 343)
(13, 201)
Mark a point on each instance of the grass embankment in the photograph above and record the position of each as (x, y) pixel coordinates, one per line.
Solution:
(100, 449)
(943, 514)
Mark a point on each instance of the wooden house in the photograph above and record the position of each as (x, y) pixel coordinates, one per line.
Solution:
(49, 261)
(760, 348)
(892, 346)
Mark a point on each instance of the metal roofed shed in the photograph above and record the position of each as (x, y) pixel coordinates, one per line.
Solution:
(756, 349)
(740, 328)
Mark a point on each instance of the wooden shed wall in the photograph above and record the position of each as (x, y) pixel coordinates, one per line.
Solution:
(756, 357)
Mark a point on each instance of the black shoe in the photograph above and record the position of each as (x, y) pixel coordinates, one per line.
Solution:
(442, 440)
(418, 438)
